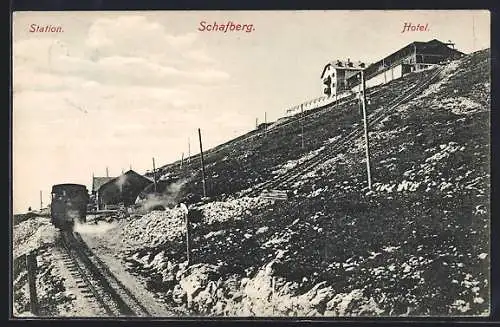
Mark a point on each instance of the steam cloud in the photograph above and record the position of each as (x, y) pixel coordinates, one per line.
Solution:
(73, 215)
(166, 199)
(120, 181)
(100, 228)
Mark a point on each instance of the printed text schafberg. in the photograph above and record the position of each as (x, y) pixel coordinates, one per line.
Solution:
(227, 27)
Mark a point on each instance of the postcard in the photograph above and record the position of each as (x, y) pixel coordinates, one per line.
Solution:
(178, 164)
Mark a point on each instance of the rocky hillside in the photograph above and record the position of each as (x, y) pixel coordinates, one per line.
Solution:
(258, 156)
(417, 244)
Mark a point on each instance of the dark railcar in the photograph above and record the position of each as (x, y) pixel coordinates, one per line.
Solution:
(69, 204)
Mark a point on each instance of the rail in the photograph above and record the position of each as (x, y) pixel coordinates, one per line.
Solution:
(84, 274)
(374, 118)
(132, 302)
(110, 294)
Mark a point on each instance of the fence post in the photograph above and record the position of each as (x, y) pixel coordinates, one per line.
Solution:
(31, 267)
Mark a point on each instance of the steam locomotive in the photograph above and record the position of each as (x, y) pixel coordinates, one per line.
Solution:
(69, 205)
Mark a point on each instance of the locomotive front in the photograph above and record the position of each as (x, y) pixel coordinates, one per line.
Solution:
(69, 204)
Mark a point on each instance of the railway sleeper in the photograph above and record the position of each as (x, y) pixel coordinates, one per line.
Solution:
(98, 282)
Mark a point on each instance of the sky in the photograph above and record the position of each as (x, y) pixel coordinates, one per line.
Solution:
(115, 89)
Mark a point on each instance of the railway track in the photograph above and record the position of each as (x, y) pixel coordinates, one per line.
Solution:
(311, 113)
(96, 281)
(284, 180)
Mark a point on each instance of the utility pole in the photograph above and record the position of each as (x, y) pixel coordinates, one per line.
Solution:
(107, 172)
(265, 122)
(154, 173)
(302, 124)
(256, 123)
(189, 150)
(365, 123)
(41, 201)
(202, 165)
(182, 159)
(473, 35)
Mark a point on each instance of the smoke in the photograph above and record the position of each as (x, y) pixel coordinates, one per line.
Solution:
(73, 214)
(120, 181)
(154, 200)
(167, 199)
(100, 228)
(174, 188)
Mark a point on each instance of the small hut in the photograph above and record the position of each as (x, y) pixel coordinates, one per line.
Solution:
(123, 189)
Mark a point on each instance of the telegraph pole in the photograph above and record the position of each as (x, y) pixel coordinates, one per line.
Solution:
(473, 35)
(202, 165)
(189, 150)
(365, 123)
(302, 124)
(41, 201)
(182, 159)
(154, 173)
(107, 172)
